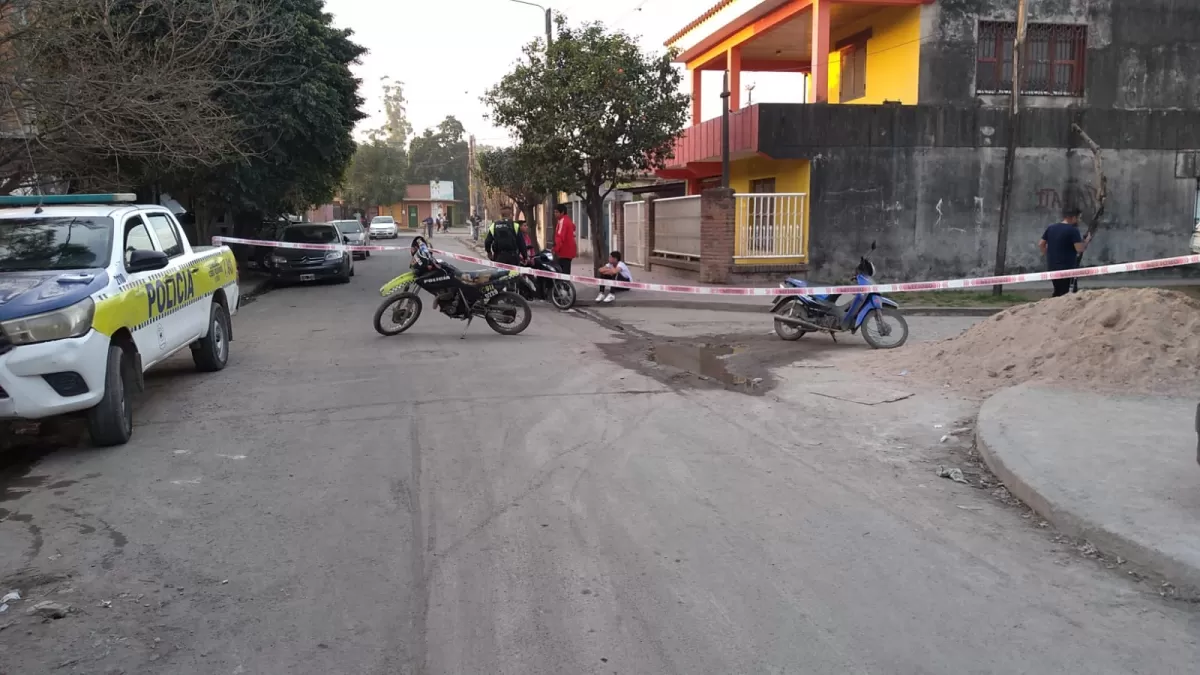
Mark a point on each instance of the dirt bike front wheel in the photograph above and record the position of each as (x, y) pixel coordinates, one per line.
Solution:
(397, 313)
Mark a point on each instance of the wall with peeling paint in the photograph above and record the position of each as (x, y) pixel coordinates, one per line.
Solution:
(1140, 53)
(925, 183)
(934, 211)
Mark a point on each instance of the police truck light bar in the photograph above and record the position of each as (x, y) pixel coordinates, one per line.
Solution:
(60, 200)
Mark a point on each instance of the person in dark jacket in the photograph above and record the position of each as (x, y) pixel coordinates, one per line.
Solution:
(1061, 244)
(503, 242)
(565, 248)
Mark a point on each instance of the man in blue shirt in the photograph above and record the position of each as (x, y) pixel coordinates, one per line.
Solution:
(1061, 244)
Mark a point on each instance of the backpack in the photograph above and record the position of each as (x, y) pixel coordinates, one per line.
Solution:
(505, 238)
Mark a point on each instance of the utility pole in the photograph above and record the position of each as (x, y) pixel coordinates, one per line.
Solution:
(549, 41)
(471, 203)
(725, 131)
(548, 225)
(1010, 155)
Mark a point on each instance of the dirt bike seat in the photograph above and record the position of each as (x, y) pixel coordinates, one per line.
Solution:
(482, 277)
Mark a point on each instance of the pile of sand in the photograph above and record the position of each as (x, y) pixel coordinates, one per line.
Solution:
(1143, 340)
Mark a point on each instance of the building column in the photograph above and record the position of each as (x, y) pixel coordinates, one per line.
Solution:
(733, 61)
(716, 235)
(696, 96)
(818, 78)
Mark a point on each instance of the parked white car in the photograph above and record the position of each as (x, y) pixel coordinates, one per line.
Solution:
(383, 227)
(93, 291)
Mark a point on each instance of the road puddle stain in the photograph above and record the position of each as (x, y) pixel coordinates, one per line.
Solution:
(708, 362)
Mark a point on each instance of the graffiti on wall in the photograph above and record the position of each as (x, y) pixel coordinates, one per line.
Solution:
(1080, 196)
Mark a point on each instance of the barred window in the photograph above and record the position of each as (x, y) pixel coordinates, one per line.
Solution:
(1053, 59)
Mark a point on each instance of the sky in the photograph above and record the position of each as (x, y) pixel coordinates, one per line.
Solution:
(449, 52)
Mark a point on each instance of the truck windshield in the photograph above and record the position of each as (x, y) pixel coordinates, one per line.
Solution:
(55, 243)
(311, 234)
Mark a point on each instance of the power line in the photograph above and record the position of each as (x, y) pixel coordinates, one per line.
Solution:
(637, 8)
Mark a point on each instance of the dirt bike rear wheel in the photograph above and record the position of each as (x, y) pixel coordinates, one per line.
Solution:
(499, 318)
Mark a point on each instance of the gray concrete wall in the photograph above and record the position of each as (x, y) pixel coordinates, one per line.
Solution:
(1141, 53)
(934, 211)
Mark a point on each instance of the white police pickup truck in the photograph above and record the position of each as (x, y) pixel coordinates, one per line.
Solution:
(93, 291)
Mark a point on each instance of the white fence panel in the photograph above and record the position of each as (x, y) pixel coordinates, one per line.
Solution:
(635, 227)
(677, 227)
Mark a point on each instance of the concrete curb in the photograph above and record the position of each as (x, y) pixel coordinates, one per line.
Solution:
(1007, 465)
(761, 307)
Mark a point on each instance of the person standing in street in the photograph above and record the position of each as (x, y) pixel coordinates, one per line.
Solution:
(503, 242)
(1061, 244)
(428, 227)
(565, 247)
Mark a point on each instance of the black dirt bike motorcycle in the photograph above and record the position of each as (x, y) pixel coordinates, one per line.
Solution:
(458, 294)
(559, 292)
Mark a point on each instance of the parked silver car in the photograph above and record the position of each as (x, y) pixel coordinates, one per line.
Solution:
(353, 232)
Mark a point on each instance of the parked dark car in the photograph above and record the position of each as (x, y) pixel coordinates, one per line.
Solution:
(290, 264)
(353, 232)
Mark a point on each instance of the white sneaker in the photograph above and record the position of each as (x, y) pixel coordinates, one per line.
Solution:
(600, 298)
(609, 298)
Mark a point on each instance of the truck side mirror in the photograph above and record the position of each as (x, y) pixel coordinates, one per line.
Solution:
(146, 261)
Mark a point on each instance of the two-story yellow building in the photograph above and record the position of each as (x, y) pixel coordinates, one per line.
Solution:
(904, 128)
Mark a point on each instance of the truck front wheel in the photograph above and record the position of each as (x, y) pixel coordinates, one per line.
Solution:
(110, 422)
(212, 351)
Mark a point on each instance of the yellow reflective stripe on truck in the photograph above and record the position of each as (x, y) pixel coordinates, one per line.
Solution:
(137, 304)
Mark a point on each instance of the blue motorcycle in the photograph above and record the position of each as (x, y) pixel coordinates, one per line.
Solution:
(882, 324)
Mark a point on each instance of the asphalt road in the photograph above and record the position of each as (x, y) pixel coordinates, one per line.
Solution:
(339, 502)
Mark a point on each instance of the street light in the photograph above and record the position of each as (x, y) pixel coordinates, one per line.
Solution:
(550, 198)
(549, 19)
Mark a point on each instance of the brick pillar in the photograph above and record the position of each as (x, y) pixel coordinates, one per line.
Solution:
(716, 235)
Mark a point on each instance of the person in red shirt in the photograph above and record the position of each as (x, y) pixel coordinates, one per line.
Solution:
(564, 239)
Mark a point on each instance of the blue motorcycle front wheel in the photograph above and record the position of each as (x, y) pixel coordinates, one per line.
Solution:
(885, 328)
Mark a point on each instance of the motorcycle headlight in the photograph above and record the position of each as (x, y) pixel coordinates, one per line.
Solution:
(549, 256)
(63, 323)
(333, 255)
(278, 259)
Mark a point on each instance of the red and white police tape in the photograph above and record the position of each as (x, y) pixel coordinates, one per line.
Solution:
(976, 282)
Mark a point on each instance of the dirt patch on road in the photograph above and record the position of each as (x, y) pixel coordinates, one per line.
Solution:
(1134, 339)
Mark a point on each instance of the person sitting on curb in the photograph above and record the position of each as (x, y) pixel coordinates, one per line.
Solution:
(617, 270)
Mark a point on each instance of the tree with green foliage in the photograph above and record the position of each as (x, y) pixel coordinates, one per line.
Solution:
(377, 174)
(591, 111)
(509, 171)
(302, 103)
(441, 154)
(396, 128)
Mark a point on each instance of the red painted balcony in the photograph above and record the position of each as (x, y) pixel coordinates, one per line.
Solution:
(699, 148)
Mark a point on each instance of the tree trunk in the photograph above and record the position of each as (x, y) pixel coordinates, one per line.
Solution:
(594, 204)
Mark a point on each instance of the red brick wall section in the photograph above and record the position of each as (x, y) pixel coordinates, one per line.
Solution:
(716, 235)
